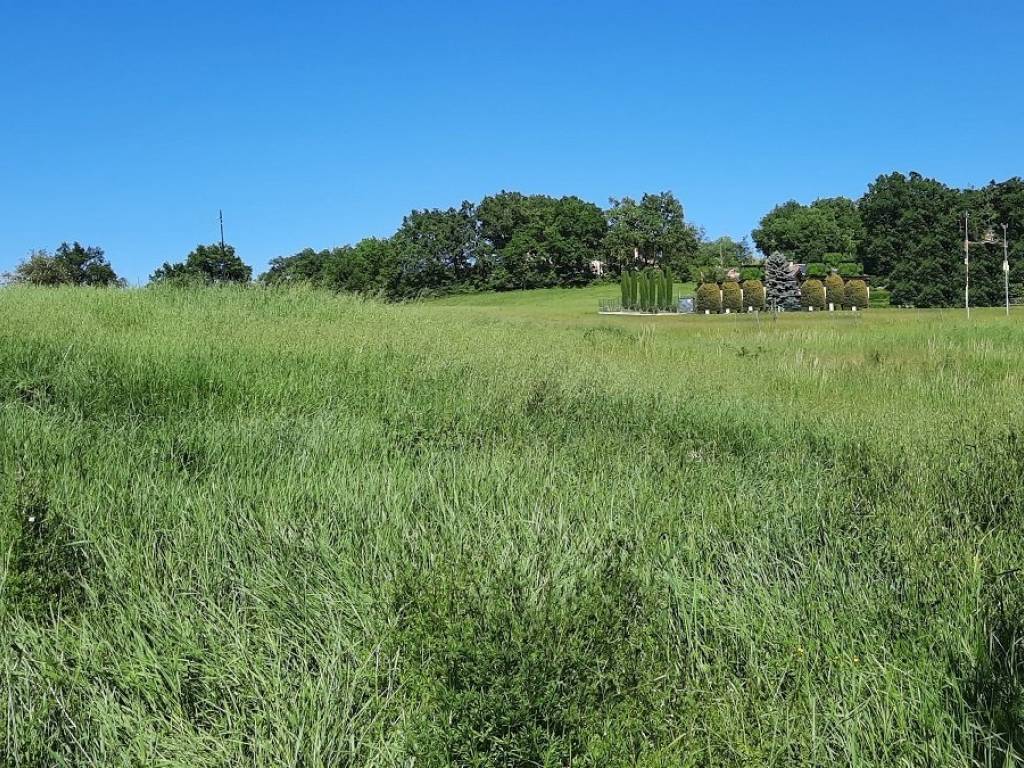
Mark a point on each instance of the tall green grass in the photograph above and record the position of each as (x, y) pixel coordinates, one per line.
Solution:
(245, 527)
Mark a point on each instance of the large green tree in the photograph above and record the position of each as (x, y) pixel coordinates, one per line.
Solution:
(436, 251)
(206, 264)
(806, 233)
(70, 264)
(651, 232)
(912, 240)
(363, 267)
(536, 241)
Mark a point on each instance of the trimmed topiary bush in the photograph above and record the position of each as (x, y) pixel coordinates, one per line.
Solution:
(835, 291)
(850, 269)
(857, 294)
(812, 294)
(753, 294)
(709, 299)
(817, 269)
(732, 296)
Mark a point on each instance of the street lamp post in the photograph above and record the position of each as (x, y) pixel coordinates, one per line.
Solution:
(1006, 271)
(967, 264)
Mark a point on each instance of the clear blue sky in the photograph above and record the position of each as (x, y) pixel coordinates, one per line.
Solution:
(127, 125)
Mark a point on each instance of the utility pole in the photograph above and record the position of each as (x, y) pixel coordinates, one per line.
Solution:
(1006, 271)
(967, 265)
(221, 212)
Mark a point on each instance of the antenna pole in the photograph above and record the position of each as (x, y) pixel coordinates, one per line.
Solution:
(221, 212)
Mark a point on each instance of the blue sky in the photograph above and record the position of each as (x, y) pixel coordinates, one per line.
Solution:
(128, 125)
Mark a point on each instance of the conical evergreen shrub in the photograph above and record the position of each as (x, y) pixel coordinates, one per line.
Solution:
(709, 299)
(753, 294)
(780, 283)
(835, 291)
(732, 297)
(668, 280)
(812, 294)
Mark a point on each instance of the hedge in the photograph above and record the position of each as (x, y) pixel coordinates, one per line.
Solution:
(709, 298)
(857, 294)
(732, 296)
(879, 297)
(835, 291)
(751, 273)
(812, 294)
(753, 294)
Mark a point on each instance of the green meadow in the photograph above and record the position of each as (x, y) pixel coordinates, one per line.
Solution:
(250, 527)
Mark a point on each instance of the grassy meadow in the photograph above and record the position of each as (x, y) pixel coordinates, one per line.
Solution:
(286, 528)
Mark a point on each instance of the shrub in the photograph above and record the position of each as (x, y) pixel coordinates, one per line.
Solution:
(709, 298)
(879, 297)
(643, 291)
(850, 269)
(812, 294)
(834, 259)
(857, 294)
(780, 283)
(835, 291)
(732, 296)
(753, 294)
(817, 269)
(751, 273)
(668, 284)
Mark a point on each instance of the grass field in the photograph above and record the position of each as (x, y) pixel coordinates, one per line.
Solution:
(241, 527)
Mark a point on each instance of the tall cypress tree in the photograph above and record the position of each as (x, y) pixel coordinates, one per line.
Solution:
(780, 283)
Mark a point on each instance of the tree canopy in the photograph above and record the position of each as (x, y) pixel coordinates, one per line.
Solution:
(652, 232)
(208, 264)
(70, 264)
(535, 241)
(806, 233)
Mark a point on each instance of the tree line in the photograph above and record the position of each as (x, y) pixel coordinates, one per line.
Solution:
(905, 232)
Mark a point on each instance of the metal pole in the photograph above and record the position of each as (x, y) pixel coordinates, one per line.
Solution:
(1006, 271)
(967, 265)
(221, 233)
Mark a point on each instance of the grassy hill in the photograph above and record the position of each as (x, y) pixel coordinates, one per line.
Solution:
(241, 527)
